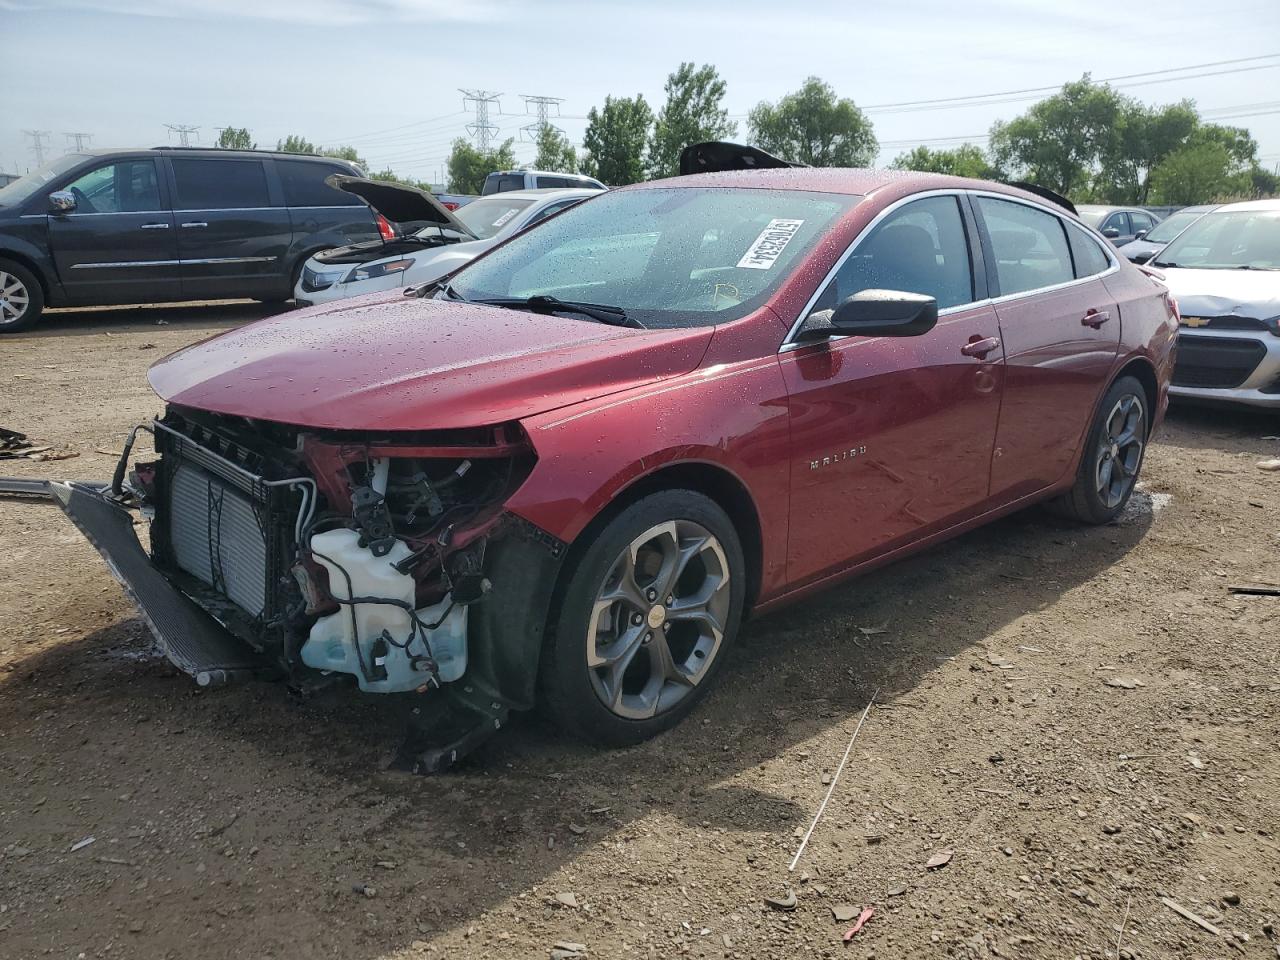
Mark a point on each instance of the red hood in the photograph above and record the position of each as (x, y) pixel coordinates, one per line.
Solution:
(398, 363)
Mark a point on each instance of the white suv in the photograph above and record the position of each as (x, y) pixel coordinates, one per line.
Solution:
(501, 181)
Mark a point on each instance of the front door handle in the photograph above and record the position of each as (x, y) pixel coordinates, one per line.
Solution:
(980, 346)
(154, 226)
(195, 223)
(1095, 318)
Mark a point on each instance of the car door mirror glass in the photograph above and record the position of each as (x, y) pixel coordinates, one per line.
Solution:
(63, 201)
(1111, 233)
(1140, 234)
(874, 313)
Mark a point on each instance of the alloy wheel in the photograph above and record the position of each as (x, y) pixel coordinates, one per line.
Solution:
(1119, 451)
(658, 619)
(14, 298)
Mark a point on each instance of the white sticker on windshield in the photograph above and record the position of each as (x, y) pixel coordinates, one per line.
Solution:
(505, 217)
(766, 249)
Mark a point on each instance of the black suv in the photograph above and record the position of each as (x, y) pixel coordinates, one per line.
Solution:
(148, 226)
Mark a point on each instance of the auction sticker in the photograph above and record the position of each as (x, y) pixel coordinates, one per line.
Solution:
(768, 247)
(505, 217)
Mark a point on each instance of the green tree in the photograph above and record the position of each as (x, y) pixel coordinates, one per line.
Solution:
(1142, 138)
(555, 153)
(693, 113)
(1196, 173)
(813, 126)
(236, 138)
(962, 161)
(468, 166)
(615, 139)
(296, 144)
(344, 153)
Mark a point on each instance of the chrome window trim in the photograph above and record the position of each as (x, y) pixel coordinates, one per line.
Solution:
(103, 213)
(789, 343)
(223, 209)
(332, 206)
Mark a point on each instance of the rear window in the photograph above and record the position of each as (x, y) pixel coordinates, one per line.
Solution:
(304, 185)
(1090, 258)
(556, 182)
(1030, 246)
(220, 184)
(487, 217)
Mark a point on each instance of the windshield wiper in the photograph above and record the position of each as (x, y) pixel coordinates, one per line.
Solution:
(1163, 263)
(541, 303)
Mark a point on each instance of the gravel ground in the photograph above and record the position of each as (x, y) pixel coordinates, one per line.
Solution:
(1081, 722)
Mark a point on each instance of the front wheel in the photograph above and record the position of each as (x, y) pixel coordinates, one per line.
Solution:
(1112, 458)
(21, 298)
(648, 613)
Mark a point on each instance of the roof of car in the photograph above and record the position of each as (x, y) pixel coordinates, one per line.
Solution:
(541, 193)
(544, 173)
(210, 151)
(1247, 205)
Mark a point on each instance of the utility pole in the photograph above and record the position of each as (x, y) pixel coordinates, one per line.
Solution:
(542, 107)
(38, 137)
(183, 131)
(482, 129)
(81, 139)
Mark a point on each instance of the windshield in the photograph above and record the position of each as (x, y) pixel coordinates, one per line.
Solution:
(487, 217)
(24, 188)
(1166, 230)
(1091, 216)
(1236, 240)
(670, 257)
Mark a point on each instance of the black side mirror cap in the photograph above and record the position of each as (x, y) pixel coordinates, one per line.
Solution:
(874, 313)
(1111, 233)
(1140, 234)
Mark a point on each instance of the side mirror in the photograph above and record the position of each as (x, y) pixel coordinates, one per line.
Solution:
(63, 201)
(1111, 233)
(874, 313)
(1140, 234)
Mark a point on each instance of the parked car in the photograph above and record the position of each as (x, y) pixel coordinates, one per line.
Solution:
(569, 473)
(1144, 248)
(1120, 225)
(1224, 271)
(432, 241)
(149, 226)
(500, 181)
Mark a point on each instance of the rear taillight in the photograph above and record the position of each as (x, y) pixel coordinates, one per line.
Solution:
(1173, 305)
(385, 229)
(450, 205)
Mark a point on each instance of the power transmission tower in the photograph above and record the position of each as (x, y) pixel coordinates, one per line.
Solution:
(81, 139)
(38, 137)
(183, 131)
(482, 129)
(542, 107)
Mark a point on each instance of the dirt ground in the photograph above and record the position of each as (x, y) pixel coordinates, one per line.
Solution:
(1086, 719)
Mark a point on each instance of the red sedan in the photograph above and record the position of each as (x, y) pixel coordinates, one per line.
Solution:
(568, 474)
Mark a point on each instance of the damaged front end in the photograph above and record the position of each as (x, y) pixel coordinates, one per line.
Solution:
(332, 558)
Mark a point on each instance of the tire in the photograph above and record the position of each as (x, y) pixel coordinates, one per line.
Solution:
(21, 298)
(1122, 416)
(618, 705)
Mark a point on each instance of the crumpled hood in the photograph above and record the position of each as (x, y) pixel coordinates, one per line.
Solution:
(387, 362)
(1222, 293)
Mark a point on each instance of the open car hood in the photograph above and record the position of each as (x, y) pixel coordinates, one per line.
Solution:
(716, 156)
(399, 203)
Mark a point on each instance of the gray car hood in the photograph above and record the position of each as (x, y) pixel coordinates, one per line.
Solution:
(1224, 293)
(399, 203)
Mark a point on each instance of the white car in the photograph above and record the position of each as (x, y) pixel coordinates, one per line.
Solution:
(1224, 271)
(434, 241)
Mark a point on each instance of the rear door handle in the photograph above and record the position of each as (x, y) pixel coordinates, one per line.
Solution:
(195, 223)
(154, 226)
(980, 347)
(1095, 318)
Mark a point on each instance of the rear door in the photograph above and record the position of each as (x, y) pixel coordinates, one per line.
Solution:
(1117, 228)
(1061, 331)
(119, 244)
(233, 233)
(321, 216)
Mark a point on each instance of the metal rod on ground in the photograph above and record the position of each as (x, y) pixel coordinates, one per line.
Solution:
(834, 780)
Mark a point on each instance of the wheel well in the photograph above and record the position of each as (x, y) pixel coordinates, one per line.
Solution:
(1145, 374)
(31, 266)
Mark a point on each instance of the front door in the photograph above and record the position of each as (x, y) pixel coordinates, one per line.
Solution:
(233, 239)
(118, 245)
(892, 437)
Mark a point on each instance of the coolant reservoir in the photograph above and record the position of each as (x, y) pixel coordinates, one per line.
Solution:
(356, 633)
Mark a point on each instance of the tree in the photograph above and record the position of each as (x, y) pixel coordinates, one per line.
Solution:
(296, 144)
(468, 166)
(812, 126)
(1143, 137)
(615, 139)
(236, 138)
(1196, 173)
(555, 153)
(962, 161)
(692, 113)
(344, 153)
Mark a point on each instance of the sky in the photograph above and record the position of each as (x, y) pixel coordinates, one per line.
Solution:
(384, 75)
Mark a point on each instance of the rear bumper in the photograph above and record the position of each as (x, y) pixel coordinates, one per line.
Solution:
(194, 642)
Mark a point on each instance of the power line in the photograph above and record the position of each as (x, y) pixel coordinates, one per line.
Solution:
(38, 137)
(482, 129)
(183, 131)
(81, 139)
(542, 106)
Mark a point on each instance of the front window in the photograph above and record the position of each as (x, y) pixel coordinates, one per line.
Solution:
(488, 216)
(1166, 230)
(24, 188)
(673, 257)
(1231, 240)
(126, 187)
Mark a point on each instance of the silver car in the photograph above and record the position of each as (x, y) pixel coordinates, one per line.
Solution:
(1224, 271)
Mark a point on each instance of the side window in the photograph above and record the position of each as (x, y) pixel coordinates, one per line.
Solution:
(1030, 246)
(1141, 222)
(304, 185)
(1118, 222)
(551, 209)
(220, 184)
(920, 248)
(558, 183)
(1089, 257)
(125, 187)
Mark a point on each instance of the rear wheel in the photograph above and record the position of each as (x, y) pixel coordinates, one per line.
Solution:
(21, 299)
(1114, 449)
(647, 616)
